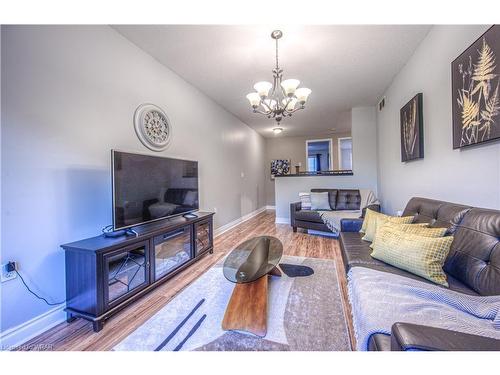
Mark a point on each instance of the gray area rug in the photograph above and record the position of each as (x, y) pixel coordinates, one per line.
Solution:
(305, 313)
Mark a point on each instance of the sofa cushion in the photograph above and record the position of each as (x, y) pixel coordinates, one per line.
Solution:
(320, 201)
(379, 342)
(356, 253)
(474, 257)
(305, 201)
(423, 256)
(308, 215)
(348, 199)
(375, 219)
(332, 196)
(437, 213)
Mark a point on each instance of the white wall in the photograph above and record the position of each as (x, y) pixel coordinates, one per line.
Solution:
(68, 97)
(364, 135)
(469, 176)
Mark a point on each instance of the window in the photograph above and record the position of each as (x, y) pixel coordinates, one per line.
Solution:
(319, 155)
(345, 153)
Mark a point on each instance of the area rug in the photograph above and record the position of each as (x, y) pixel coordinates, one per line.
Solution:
(305, 313)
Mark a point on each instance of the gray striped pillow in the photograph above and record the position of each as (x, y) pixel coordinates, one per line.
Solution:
(305, 201)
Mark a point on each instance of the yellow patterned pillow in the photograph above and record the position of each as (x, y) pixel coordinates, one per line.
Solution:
(420, 229)
(420, 255)
(373, 219)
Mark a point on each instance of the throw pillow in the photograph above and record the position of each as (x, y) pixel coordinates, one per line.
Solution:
(422, 256)
(421, 229)
(305, 201)
(373, 219)
(320, 201)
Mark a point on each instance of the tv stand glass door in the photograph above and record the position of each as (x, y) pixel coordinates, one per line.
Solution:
(172, 250)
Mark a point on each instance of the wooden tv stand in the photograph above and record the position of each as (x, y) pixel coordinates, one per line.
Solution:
(103, 274)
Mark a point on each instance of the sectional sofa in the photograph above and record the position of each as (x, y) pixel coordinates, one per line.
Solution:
(472, 267)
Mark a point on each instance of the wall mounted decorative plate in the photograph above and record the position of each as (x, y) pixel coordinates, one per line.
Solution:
(152, 127)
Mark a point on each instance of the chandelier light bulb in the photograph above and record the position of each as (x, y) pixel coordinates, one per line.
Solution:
(277, 130)
(271, 103)
(289, 86)
(254, 99)
(289, 104)
(302, 94)
(263, 88)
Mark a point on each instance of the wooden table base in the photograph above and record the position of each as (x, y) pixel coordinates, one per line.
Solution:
(247, 308)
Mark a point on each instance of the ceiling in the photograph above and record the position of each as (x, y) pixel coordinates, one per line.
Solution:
(344, 66)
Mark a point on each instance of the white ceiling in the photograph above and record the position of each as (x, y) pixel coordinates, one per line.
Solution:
(344, 66)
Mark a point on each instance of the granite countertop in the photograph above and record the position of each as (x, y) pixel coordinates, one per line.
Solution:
(323, 173)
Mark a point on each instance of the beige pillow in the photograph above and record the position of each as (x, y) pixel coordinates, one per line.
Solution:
(420, 255)
(421, 229)
(373, 219)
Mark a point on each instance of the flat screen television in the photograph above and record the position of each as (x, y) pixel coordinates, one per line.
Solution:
(148, 188)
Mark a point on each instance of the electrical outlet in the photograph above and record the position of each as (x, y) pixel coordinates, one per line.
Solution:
(7, 275)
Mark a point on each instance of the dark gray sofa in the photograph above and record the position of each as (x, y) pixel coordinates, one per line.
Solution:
(472, 267)
(339, 199)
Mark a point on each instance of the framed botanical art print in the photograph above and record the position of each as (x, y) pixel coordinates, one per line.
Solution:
(412, 129)
(475, 91)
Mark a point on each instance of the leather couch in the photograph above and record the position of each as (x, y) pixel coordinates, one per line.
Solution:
(339, 199)
(472, 267)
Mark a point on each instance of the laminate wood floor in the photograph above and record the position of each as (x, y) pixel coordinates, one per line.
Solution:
(78, 335)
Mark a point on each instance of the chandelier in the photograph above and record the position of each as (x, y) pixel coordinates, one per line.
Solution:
(278, 99)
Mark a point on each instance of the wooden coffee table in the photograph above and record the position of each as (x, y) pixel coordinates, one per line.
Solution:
(248, 266)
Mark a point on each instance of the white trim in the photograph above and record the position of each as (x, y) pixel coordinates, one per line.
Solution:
(282, 220)
(16, 336)
(330, 146)
(234, 223)
(339, 150)
(270, 207)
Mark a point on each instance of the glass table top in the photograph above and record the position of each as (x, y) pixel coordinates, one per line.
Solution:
(253, 259)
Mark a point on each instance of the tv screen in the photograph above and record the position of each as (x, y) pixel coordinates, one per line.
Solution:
(148, 188)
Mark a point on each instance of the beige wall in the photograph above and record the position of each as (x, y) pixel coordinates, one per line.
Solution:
(469, 176)
(293, 148)
(69, 95)
(364, 164)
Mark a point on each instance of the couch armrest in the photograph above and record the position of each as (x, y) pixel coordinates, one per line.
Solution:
(351, 225)
(295, 206)
(373, 207)
(406, 336)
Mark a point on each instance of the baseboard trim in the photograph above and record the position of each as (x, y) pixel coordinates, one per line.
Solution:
(17, 336)
(238, 221)
(282, 220)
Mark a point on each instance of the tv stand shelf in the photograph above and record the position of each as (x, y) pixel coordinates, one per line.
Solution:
(105, 274)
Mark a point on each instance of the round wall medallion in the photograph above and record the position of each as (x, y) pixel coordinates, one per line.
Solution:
(152, 127)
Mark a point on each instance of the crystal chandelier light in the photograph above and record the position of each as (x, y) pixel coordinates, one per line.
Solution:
(280, 98)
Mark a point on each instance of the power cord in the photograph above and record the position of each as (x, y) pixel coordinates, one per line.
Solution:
(36, 295)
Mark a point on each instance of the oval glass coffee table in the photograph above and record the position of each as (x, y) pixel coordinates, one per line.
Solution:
(248, 266)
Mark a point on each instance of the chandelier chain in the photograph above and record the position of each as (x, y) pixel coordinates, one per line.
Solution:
(277, 65)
